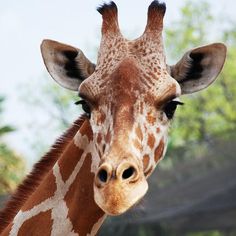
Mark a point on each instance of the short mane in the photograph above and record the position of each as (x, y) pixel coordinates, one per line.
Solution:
(39, 171)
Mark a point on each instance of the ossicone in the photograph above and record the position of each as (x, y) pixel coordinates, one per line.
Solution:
(109, 14)
(156, 12)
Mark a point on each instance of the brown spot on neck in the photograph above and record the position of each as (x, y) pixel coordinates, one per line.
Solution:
(146, 160)
(69, 160)
(42, 225)
(159, 150)
(86, 130)
(83, 211)
(151, 140)
(45, 190)
(38, 173)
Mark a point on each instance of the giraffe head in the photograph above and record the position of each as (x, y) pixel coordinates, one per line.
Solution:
(130, 96)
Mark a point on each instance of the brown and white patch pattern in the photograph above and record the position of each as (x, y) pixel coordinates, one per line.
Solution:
(56, 205)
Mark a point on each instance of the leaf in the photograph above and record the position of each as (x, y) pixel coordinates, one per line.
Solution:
(6, 129)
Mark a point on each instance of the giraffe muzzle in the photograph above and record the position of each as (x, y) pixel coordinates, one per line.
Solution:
(116, 189)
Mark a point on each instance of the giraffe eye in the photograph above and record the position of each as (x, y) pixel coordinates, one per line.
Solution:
(170, 108)
(85, 106)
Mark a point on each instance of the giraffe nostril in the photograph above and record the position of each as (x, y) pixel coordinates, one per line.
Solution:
(102, 175)
(129, 172)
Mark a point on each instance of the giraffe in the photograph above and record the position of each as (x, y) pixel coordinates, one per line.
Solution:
(100, 166)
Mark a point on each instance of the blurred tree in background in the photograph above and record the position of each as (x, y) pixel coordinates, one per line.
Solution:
(52, 111)
(209, 114)
(11, 164)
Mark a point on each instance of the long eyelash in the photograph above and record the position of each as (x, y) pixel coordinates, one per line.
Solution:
(178, 103)
(85, 107)
(79, 102)
(170, 108)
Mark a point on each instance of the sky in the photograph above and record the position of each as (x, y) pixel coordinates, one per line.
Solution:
(24, 24)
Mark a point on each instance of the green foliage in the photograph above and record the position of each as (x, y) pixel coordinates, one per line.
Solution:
(11, 165)
(209, 113)
(6, 129)
(50, 99)
(11, 169)
(208, 233)
(52, 111)
(190, 30)
(62, 100)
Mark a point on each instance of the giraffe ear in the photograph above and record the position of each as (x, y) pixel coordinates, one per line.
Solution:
(67, 65)
(199, 67)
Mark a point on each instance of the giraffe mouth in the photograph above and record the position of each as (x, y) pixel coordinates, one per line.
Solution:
(116, 198)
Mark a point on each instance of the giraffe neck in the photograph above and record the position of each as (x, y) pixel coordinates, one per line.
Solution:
(63, 203)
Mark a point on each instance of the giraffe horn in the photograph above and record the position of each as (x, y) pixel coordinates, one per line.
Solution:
(156, 12)
(110, 18)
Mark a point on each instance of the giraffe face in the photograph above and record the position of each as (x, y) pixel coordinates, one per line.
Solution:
(130, 96)
(130, 124)
(129, 117)
(127, 95)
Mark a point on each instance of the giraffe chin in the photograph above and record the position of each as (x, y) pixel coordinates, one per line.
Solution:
(115, 198)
